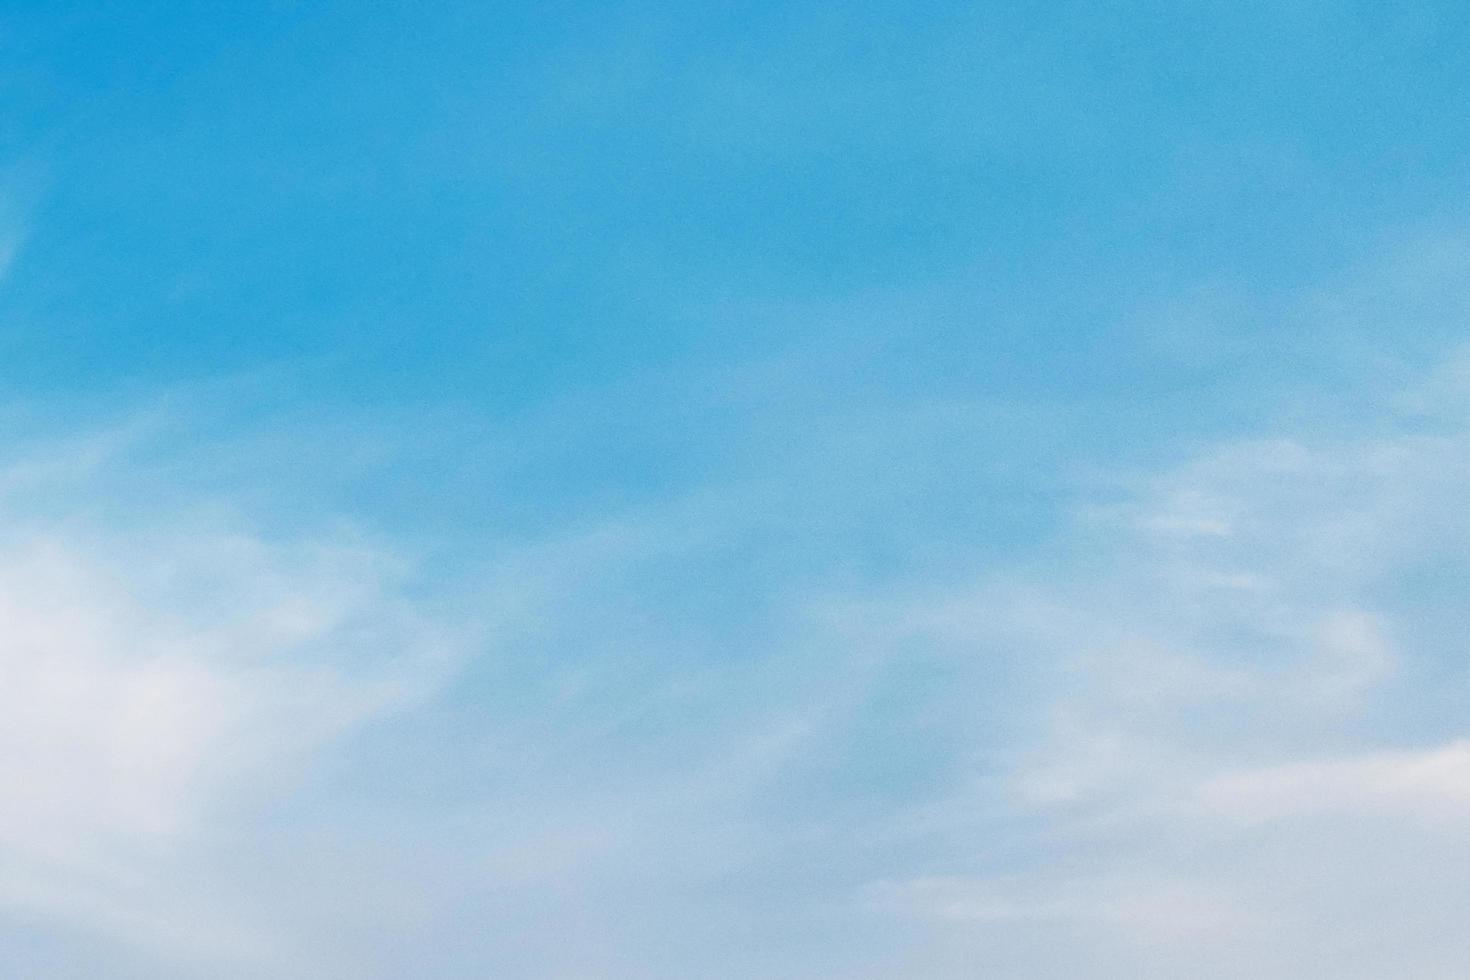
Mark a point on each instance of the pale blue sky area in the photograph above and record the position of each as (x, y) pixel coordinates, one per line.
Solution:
(870, 491)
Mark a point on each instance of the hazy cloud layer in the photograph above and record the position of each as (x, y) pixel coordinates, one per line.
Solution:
(1211, 739)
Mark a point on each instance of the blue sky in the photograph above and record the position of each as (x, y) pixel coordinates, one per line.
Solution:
(635, 491)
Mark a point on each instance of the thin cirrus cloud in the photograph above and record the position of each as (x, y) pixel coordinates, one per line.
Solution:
(549, 491)
(1247, 758)
(1156, 756)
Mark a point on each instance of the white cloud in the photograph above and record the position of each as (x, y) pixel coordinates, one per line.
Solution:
(1147, 911)
(1431, 783)
(1210, 730)
(1235, 750)
(161, 686)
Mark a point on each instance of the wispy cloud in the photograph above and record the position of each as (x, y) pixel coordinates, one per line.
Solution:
(1238, 681)
(162, 684)
(1138, 738)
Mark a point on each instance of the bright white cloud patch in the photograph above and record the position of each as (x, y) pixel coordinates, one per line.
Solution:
(1433, 783)
(160, 689)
